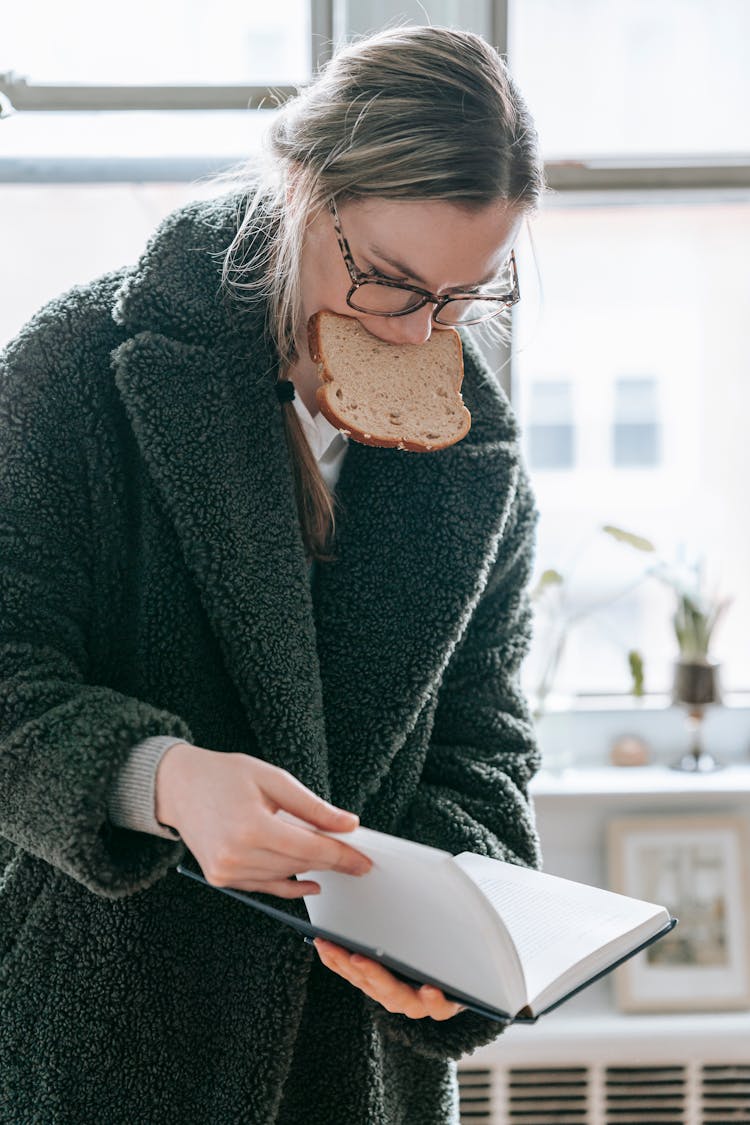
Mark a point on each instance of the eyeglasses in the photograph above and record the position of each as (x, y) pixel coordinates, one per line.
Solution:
(380, 296)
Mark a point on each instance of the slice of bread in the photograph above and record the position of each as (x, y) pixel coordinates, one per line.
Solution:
(406, 396)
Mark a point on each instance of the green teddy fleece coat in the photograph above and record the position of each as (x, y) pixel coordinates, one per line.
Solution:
(153, 580)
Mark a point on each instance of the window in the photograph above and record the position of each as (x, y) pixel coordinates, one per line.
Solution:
(65, 174)
(551, 430)
(634, 78)
(635, 431)
(644, 307)
(188, 43)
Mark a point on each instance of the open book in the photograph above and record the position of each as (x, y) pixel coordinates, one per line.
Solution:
(506, 941)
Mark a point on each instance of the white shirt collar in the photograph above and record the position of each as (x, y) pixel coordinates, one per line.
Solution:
(321, 435)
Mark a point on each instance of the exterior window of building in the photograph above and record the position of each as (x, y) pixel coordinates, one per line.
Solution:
(551, 430)
(636, 429)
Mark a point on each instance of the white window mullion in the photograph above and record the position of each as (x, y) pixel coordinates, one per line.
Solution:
(499, 26)
(321, 33)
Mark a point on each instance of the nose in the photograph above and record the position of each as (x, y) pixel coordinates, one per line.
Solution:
(416, 328)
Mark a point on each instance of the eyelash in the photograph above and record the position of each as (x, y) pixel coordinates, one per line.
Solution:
(386, 277)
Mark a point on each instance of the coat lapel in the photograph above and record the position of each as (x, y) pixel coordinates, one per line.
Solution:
(209, 428)
(415, 542)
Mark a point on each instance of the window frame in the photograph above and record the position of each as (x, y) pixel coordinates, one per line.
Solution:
(17, 95)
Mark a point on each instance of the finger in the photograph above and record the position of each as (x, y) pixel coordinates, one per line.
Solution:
(438, 1007)
(394, 994)
(283, 888)
(289, 793)
(375, 973)
(303, 849)
(339, 962)
(267, 864)
(336, 957)
(334, 960)
(432, 998)
(367, 967)
(376, 982)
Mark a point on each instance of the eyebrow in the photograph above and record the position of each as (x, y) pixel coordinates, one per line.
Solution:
(412, 273)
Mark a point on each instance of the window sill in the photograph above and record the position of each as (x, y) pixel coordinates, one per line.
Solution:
(578, 732)
(639, 781)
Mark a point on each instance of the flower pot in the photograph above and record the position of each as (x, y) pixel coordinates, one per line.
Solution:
(696, 682)
(695, 687)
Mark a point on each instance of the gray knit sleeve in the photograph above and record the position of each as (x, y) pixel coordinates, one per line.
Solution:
(131, 801)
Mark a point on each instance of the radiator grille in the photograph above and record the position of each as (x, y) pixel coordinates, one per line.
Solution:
(548, 1095)
(475, 1096)
(648, 1093)
(690, 1093)
(725, 1094)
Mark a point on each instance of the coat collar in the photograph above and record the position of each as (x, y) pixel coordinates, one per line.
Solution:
(332, 676)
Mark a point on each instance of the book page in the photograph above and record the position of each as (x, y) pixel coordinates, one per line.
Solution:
(419, 908)
(557, 924)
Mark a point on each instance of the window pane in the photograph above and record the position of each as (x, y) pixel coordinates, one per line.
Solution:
(231, 135)
(636, 428)
(355, 17)
(60, 235)
(142, 43)
(550, 431)
(644, 316)
(605, 77)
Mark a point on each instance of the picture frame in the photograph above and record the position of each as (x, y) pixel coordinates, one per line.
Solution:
(699, 868)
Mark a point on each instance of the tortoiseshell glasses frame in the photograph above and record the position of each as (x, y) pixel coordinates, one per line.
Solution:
(359, 278)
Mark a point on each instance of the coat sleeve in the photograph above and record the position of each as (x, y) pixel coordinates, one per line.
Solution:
(473, 792)
(63, 736)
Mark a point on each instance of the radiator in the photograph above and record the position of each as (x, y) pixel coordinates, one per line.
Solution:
(688, 1093)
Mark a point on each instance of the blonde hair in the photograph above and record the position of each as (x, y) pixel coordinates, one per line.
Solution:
(406, 113)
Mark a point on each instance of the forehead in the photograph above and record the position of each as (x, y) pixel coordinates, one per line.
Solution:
(439, 241)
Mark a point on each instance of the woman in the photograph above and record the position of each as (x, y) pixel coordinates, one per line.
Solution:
(189, 642)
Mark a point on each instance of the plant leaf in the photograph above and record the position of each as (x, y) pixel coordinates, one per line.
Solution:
(636, 541)
(635, 660)
(547, 579)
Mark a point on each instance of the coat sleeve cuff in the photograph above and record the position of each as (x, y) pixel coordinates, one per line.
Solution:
(438, 1039)
(131, 801)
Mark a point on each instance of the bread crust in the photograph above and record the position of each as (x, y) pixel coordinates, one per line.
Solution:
(345, 426)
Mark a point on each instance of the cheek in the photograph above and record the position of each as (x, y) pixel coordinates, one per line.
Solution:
(323, 275)
(327, 290)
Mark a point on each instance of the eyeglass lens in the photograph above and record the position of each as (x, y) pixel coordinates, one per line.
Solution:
(382, 299)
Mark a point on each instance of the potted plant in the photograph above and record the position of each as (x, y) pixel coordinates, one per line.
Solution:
(696, 674)
(696, 615)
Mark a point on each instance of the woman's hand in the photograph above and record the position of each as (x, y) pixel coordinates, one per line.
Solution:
(379, 984)
(224, 806)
